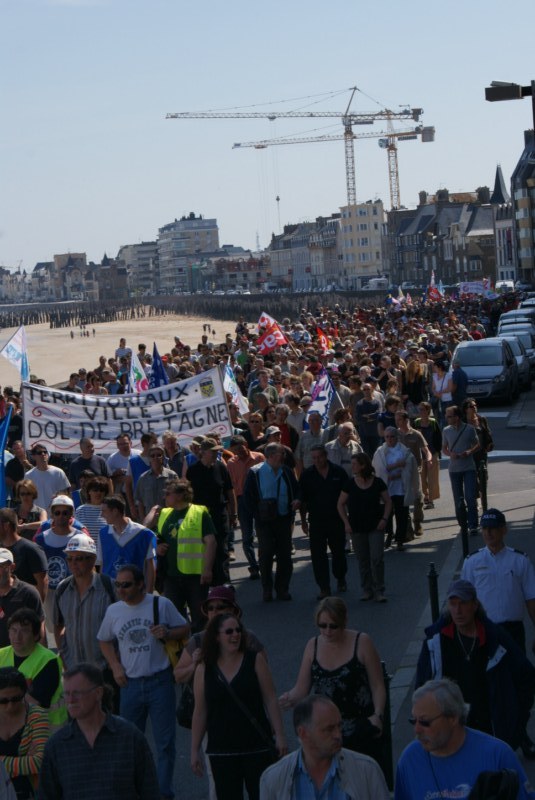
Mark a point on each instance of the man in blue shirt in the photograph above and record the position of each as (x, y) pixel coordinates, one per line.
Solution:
(270, 495)
(321, 768)
(447, 757)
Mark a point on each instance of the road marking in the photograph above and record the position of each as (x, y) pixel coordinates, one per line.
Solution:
(511, 454)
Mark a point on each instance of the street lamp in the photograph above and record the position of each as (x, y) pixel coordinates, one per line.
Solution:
(500, 90)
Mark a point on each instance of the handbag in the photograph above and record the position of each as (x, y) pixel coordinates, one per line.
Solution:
(186, 704)
(185, 707)
(173, 647)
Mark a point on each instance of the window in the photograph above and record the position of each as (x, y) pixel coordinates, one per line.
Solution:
(375, 211)
(363, 212)
(363, 226)
(364, 241)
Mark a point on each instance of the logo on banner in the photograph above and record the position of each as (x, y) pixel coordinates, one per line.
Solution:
(207, 388)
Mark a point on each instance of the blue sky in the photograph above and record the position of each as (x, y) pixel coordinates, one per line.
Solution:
(88, 161)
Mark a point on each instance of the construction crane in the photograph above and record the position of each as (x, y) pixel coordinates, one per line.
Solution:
(387, 140)
(348, 120)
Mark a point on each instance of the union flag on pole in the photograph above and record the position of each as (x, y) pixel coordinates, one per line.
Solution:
(324, 341)
(272, 338)
(265, 320)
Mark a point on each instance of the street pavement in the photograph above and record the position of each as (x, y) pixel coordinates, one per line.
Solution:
(396, 626)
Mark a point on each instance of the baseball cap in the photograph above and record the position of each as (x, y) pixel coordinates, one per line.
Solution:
(464, 590)
(210, 444)
(62, 500)
(492, 518)
(225, 593)
(272, 429)
(81, 543)
(6, 555)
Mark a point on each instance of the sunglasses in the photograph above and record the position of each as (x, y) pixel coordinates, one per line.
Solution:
(230, 631)
(155, 455)
(40, 452)
(62, 513)
(123, 584)
(425, 723)
(218, 607)
(5, 700)
(332, 626)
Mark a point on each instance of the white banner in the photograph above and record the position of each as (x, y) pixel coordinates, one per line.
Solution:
(60, 419)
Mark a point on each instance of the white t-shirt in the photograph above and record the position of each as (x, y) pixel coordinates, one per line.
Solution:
(48, 482)
(141, 653)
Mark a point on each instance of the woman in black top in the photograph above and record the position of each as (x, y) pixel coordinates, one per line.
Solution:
(233, 691)
(365, 507)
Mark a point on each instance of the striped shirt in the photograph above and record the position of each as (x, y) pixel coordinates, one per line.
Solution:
(81, 617)
(90, 518)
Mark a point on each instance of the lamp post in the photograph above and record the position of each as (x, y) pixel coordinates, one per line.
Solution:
(498, 90)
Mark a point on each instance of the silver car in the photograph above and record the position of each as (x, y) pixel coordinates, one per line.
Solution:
(522, 360)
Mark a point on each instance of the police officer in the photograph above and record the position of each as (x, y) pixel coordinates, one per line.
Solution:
(504, 579)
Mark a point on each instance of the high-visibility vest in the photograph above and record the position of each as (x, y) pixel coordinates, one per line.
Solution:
(190, 546)
(30, 668)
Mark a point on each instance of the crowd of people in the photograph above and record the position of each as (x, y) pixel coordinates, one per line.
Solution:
(116, 574)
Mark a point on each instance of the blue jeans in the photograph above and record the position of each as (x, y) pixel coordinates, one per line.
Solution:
(154, 696)
(464, 488)
(247, 531)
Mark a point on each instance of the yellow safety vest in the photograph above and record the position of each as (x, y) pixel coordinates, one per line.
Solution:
(190, 546)
(30, 668)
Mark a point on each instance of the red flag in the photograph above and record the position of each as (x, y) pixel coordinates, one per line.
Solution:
(324, 341)
(433, 293)
(272, 338)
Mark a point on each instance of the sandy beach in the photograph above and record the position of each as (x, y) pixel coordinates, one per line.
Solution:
(53, 355)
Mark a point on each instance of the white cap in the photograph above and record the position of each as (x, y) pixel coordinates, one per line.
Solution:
(62, 500)
(81, 543)
(6, 555)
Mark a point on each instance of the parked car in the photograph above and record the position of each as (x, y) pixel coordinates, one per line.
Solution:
(523, 286)
(522, 360)
(491, 368)
(527, 337)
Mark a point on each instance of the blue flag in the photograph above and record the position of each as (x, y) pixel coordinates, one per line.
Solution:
(4, 427)
(158, 375)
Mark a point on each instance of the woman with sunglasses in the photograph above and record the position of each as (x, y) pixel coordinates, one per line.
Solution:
(88, 514)
(236, 705)
(220, 600)
(24, 731)
(30, 515)
(486, 444)
(343, 664)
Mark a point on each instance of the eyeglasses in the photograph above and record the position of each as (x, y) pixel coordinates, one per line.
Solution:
(5, 700)
(230, 631)
(77, 558)
(75, 693)
(332, 626)
(425, 723)
(123, 585)
(40, 452)
(62, 513)
(218, 607)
